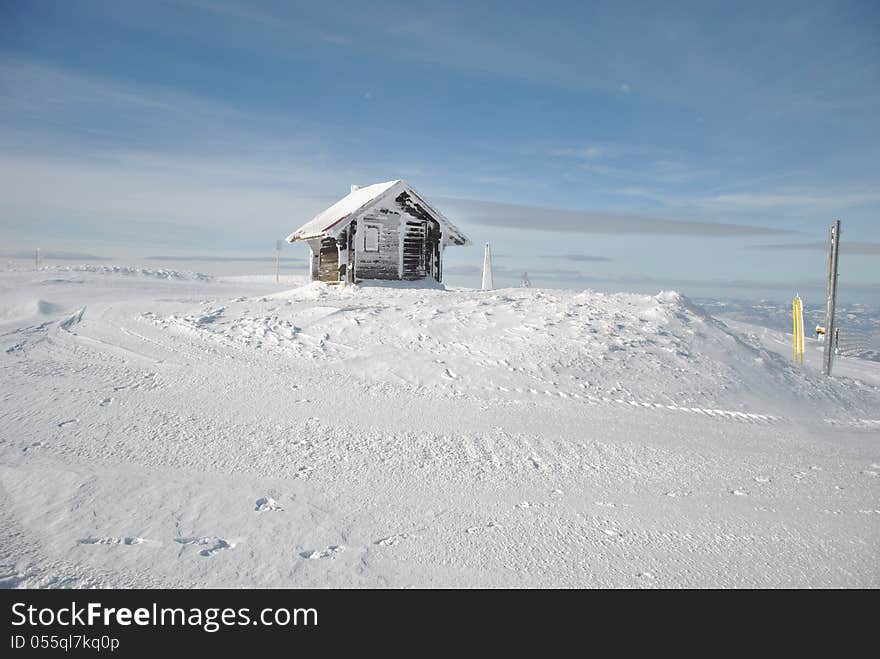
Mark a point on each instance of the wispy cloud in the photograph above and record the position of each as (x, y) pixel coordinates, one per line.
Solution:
(846, 247)
(770, 201)
(550, 219)
(834, 199)
(54, 109)
(588, 152)
(157, 200)
(493, 180)
(580, 258)
(639, 162)
(226, 259)
(633, 191)
(239, 11)
(338, 39)
(52, 255)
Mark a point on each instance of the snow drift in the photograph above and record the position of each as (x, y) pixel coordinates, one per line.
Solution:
(171, 432)
(660, 349)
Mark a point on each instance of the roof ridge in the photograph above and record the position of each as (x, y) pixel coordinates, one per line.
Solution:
(359, 199)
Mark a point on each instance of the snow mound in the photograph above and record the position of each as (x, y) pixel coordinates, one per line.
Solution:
(522, 343)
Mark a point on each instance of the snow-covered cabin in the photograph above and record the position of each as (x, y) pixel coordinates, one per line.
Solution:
(381, 231)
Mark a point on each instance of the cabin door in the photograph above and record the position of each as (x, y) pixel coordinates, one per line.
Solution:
(329, 261)
(414, 240)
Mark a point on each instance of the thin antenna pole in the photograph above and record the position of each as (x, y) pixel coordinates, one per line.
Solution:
(831, 299)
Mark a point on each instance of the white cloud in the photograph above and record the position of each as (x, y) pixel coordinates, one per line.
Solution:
(846, 246)
(231, 197)
(516, 216)
(636, 192)
(592, 152)
(757, 201)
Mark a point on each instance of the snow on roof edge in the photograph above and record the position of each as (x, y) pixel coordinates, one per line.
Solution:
(345, 207)
(440, 216)
(357, 200)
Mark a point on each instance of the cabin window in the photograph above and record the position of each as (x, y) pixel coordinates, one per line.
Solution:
(371, 238)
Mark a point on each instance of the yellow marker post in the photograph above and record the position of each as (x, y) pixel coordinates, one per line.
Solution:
(797, 316)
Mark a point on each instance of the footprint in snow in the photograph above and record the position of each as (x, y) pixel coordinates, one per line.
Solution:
(124, 540)
(329, 552)
(739, 493)
(449, 375)
(104, 402)
(210, 546)
(392, 540)
(67, 423)
(267, 504)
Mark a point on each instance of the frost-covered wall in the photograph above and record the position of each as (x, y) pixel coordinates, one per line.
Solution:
(396, 237)
(377, 245)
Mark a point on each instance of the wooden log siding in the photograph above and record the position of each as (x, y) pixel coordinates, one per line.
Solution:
(414, 256)
(383, 264)
(395, 235)
(329, 263)
(398, 240)
(315, 260)
(432, 250)
(342, 246)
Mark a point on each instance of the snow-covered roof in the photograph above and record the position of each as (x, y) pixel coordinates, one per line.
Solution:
(328, 222)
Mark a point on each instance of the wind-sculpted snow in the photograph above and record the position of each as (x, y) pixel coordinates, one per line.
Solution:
(233, 433)
(659, 349)
(154, 273)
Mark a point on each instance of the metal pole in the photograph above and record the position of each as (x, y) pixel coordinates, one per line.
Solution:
(831, 299)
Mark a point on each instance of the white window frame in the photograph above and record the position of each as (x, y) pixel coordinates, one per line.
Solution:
(368, 247)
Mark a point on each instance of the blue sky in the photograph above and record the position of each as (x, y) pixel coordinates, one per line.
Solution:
(600, 144)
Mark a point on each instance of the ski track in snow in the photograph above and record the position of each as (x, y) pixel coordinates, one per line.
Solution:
(375, 437)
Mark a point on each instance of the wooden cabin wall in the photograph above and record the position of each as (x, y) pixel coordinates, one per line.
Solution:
(432, 251)
(329, 264)
(409, 239)
(314, 259)
(384, 264)
(414, 253)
